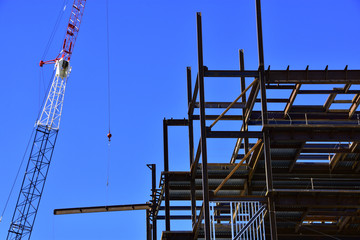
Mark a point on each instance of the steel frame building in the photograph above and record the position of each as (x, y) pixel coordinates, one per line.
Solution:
(294, 173)
(320, 200)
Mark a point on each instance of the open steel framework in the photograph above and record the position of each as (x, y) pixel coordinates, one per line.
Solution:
(316, 200)
(294, 173)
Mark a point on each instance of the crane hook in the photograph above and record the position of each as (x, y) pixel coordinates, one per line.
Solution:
(109, 136)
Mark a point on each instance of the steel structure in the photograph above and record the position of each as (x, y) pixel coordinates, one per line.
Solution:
(47, 127)
(294, 172)
(299, 163)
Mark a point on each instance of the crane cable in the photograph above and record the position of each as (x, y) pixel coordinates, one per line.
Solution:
(108, 60)
(55, 28)
(109, 109)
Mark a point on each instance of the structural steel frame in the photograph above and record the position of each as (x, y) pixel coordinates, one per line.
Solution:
(316, 200)
(310, 132)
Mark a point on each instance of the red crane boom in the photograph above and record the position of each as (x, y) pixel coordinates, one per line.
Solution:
(72, 31)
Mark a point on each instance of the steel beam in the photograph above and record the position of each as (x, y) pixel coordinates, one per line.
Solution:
(203, 129)
(292, 99)
(194, 96)
(237, 166)
(314, 133)
(264, 116)
(294, 76)
(313, 76)
(153, 204)
(111, 208)
(233, 134)
(177, 122)
(230, 73)
(213, 117)
(148, 225)
(191, 146)
(243, 86)
(297, 154)
(166, 169)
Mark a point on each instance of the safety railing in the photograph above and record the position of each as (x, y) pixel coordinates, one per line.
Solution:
(246, 219)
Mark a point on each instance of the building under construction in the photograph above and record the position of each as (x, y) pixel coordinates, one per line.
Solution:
(294, 171)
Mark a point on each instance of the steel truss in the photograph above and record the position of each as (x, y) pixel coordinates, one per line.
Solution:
(33, 183)
(40, 156)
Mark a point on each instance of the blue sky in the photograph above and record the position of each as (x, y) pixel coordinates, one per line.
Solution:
(151, 44)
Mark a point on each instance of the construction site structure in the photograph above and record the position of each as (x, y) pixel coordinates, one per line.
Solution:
(294, 172)
(47, 128)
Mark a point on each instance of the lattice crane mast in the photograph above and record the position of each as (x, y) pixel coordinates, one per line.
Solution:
(47, 128)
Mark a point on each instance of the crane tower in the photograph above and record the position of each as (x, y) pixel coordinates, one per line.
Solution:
(47, 128)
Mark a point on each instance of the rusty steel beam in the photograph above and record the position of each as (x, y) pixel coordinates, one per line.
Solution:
(292, 99)
(356, 102)
(111, 208)
(237, 166)
(313, 76)
(297, 154)
(253, 163)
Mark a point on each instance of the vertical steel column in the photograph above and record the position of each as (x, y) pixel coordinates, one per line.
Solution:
(205, 186)
(148, 227)
(266, 138)
(166, 169)
(243, 86)
(191, 146)
(191, 131)
(153, 189)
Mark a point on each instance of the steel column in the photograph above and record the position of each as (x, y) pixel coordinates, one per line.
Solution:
(191, 130)
(166, 169)
(205, 186)
(191, 145)
(148, 226)
(153, 206)
(266, 138)
(243, 86)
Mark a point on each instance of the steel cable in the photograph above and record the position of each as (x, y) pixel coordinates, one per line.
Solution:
(55, 28)
(109, 109)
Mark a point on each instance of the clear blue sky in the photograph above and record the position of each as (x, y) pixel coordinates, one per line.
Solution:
(151, 44)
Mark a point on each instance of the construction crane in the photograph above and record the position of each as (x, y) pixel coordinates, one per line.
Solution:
(47, 128)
